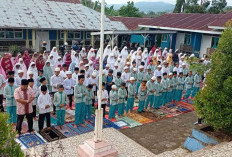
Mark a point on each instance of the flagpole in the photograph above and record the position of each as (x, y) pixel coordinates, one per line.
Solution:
(99, 112)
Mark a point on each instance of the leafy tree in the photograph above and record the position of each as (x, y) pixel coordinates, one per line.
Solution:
(213, 103)
(179, 5)
(129, 10)
(217, 6)
(8, 146)
(192, 6)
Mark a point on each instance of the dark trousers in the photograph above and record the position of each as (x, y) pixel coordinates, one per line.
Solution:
(104, 109)
(42, 118)
(70, 100)
(1, 103)
(34, 111)
(20, 121)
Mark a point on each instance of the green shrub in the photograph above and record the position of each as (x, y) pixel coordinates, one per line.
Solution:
(214, 102)
(14, 49)
(8, 146)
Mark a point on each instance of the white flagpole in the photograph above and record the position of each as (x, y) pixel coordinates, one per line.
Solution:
(99, 117)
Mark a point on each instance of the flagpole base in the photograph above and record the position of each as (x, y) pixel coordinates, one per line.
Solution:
(96, 149)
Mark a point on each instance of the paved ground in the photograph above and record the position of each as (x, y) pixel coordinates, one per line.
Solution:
(164, 135)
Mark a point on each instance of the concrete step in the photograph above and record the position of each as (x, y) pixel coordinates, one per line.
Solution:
(192, 144)
(201, 136)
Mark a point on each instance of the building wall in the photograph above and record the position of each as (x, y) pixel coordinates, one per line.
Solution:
(206, 43)
(179, 39)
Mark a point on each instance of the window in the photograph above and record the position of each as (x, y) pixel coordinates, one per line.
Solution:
(71, 35)
(187, 39)
(77, 35)
(18, 34)
(165, 37)
(88, 35)
(2, 34)
(9, 34)
(214, 43)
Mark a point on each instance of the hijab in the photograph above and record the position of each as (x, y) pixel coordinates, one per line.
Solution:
(54, 53)
(26, 58)
(32, 69)
(6, 63)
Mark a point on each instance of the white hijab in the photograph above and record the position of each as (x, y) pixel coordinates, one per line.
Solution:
(124, 53)
(16, 70)
(34, 70)
(116, 52)
(52, 61)
(91, 54)
(54, 53)
(107, 51)
(23, 67)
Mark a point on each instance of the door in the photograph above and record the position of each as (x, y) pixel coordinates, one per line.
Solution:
(40, 37)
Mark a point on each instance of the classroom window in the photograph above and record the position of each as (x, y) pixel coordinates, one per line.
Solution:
(2, 34)
(187, 39)
(9, 34)
(77, 35)
(165, 37)
(214, 43)
(18, 34)
(70, 35)
(88, 35)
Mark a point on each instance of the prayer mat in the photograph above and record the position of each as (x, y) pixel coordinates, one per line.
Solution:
(69, 118)
(186, 105)
(30, 140)
(81, 129)
(170, 111)
(66, 131)
(106, 123)
(153, 116)
(158, 112)
(121, 123)
(189, 101)
(51, 134)
(139, 118)
(71, 112)
(132, 123)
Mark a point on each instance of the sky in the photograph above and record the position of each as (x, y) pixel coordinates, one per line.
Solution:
(229, 2)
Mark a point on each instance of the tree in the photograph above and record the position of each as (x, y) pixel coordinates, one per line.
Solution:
(129, 10)
(213, 103)
(192, 6)
(179, 6)
(217, 6)
(8, 146)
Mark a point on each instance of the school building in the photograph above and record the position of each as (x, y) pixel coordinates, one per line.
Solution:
(28, 23)
(192, 33)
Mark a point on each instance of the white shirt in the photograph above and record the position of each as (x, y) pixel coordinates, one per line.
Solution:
(125, 77)
(63, 74)
(43, 101)
(157, 73)
(104, 95)
(115, 71)
(75, 77)
(105, 71)
(18, 81)
(166, 70)
(55, 81)
(177, 70)
(68, 86)
(87, 73)
(36, 93)
(93, 81)
(97, 72)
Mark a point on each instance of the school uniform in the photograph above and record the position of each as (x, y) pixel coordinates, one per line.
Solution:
(151, 67)
(142, 98)
(79, 91)
(34, 102)
(103, 103)
(150, 95)
(10, 103)
(165, 86)
(109, 79)
(38, 81)
(113, 103)
(121, 100)
(148, 76)
(18, 80)
(75, 77)
(55, 81)
(180, 88)
(165, 70)
(196, 84)
(131, 97)
(43, 101)
(158, 95)
(140, 77)
(174, 88)
(158, 73)
(60, 98)
(126, 77)
(68, 89)
(88, 104)
(118, 82)
(189, 85)
(93, 81)
(170, 87)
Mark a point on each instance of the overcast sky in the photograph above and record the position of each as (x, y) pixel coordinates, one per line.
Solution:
(229, 2)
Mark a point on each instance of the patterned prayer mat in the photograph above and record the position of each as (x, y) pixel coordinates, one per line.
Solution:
(122, 124)
(152, 115)
(30, 140)
(170, 111)
(106, 123)
(66, 131)
(131, 122)
(69, 118)
(189, 101)
(51, 134)
(81, 129)
(139, 118)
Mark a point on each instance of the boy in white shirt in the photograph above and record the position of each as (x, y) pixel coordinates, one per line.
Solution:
(75, 74)
(45, 103)
(104, 98)
(69, 84)
(36, 94)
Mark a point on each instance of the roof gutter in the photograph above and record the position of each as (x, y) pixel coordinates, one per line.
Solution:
(217, 27)
(180, 29)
